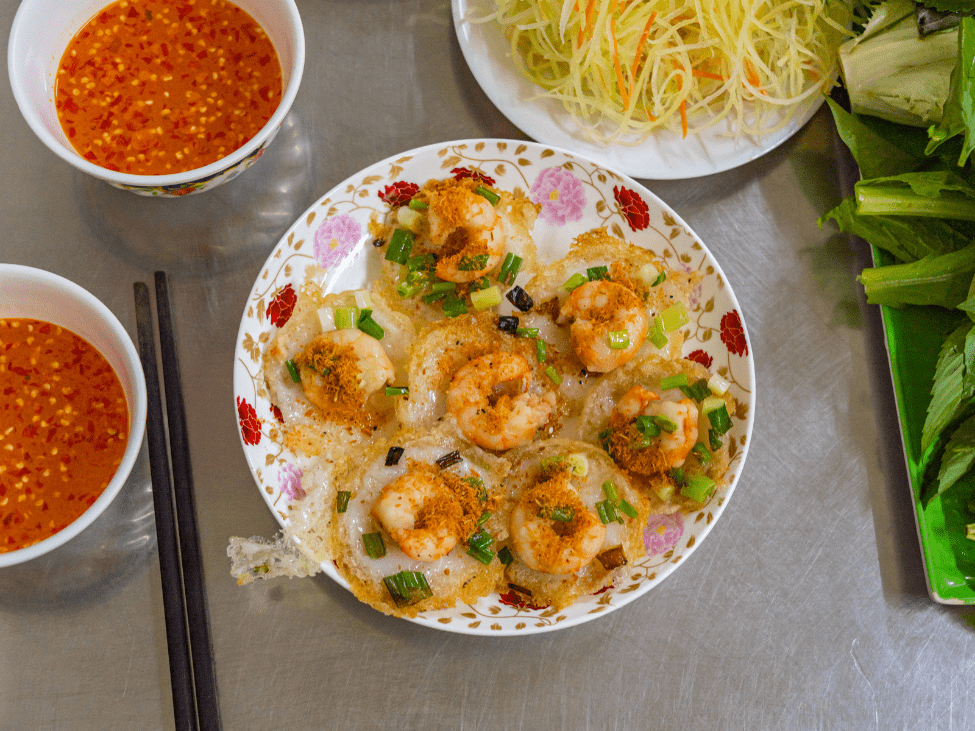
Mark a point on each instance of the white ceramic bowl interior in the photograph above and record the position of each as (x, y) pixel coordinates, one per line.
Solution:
(40, 295)
(41, 31)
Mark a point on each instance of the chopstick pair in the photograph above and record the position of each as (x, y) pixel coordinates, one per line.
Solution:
(187, 619)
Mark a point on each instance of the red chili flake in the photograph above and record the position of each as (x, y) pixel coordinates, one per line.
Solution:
(733, 334)
(250, 425)
(399, 193)
(461, 173)
(633, 208)
(281, 307)
(699, 356)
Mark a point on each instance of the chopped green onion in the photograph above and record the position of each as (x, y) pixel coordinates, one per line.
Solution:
(434, 297)
(677, 474)
(407, 289)
(484, 555)
(374, 545)
(606, 512)
(720, 421)
(647, 426)
(420, 262)
(559, 513)
(611, 491)
(970, 531)
(406, 216)
(541, 350)
(407, 587)
(661, 278)
(342, 501)
(553, 376)
(509, 268)
(486, 298)
(714, 440)
(698, 390)
(370, 326)
(505, 557)
(483, 283)
(574, 282)
(703, 455)
(481, 539)
(663, 489)
(293, 371)
(667, 425)
(657, 337)
(344, 318)
(417, 205)
(628, 510)
(493, 197)
(674, 317)
(485, 516)
(698, 488)
(473, 263)
(526, 332)
(594, 274)
(674, 381)
(718, 385)
(579, 464)
(454, 306)
(397, 391)
(443, 287)
(400, 246)
(619, 339)
(362, 299)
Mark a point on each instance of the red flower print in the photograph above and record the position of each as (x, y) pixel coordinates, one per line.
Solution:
(733, 334)
(633, 207)
(281, 307)
(699, 356)
(250, 425)
(514, 599)
(399, 193)
(461, 173)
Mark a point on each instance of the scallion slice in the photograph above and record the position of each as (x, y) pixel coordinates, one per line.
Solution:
(703, 455)
(420, 262)
(374, 545)
(714, 440)
(480, 540)
(406, 289)
(619, 339)
(677, 475)
(661, 278)
(443, 287)
(628, 510)
(658, 337)
(606, 512)
(559, 513)
(526, 332)
(342, 501)
(505, 556)
(674, 381)
(698, 488)
(484, 299)
(344, 318)
(594, 274)
(698, 390)
(611, 491)
(493, 197)
(553, 375)
(574, 282)
(417, 205)
(674, 317)
(293, 371)
(717, 413)
(369, 326)
(434, 297)
(407, 587)
(454, 306)
(484, 555)
(400, 246)
(510, 268)
(646, 426)
(397, 391)
(666, 424)
(541, 350)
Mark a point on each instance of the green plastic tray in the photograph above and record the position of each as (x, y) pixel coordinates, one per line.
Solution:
(914, 336)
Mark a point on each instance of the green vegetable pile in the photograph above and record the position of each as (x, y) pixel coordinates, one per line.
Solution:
(911, 130)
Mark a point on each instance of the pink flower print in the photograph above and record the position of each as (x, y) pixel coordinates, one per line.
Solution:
(662, 533)
(560, 195)
(335, 239)
(289, 479)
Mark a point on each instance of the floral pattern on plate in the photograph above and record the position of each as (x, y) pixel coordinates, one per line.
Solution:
(331, 245)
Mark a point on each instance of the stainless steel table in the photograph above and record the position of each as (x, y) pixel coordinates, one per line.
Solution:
(805, 608)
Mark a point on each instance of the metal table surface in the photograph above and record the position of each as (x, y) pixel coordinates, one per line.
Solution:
(805, 609)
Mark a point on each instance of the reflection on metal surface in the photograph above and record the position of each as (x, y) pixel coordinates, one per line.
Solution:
(206, 234)
(97, 561)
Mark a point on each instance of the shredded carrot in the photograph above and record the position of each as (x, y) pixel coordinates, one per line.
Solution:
(683, 118)
(751, 76)
(641, 43)
(586, 29)
(706, 75)
(624, 92)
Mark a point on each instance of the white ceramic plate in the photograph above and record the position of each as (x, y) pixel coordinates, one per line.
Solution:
(663, 156)
(576, 195)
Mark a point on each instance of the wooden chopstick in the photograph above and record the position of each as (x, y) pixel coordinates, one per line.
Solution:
(177, 639)
(198, 617)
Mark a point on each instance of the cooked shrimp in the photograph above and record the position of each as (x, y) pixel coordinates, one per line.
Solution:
(343, 364)
(487, 415)
(600, 312)
(673, 446)
(555, 546)
(467, 230)
(419, 514)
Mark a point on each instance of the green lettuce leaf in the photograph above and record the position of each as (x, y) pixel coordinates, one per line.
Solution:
(958, 457)
(952, 385)
(906, 237)
(934, 280)
(936, 193)
(959, 111)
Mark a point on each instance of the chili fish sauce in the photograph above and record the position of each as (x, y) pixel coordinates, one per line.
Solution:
(64, 424)
(154, 87)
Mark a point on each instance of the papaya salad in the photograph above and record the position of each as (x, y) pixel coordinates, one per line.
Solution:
(624, 70)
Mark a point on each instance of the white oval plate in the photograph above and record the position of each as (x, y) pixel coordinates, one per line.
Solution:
(576, 195)
(662, 156)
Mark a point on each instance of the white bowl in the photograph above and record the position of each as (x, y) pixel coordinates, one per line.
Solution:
(40, 295)
(42, 30)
